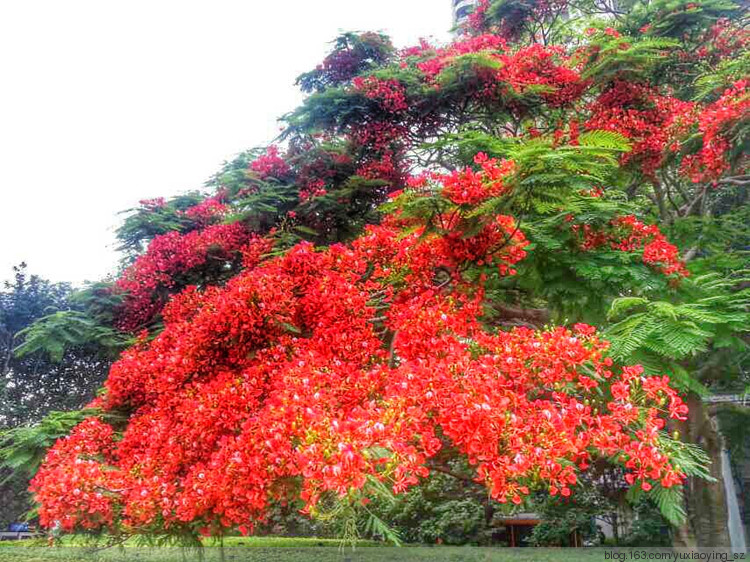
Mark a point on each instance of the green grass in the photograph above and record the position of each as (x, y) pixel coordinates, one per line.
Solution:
(277, 549)
(282, 542)
(303, 554)
(229, 542)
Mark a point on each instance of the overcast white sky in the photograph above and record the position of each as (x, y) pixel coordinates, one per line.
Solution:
(106, 102)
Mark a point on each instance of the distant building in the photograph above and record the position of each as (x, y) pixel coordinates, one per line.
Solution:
(462, 9)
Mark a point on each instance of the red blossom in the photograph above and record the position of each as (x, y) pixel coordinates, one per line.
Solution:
(647, 118)
(281, 384)
(209, 210)
(711, 161)
(390, 94)
(153, 204)
(168, 256)
(270, 164)
(469, 187)
(628, 234)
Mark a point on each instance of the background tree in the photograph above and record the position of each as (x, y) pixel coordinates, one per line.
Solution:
(35, 384)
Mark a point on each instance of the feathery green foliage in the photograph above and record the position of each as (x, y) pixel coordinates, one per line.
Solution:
(663, 335)
(670, 501)
(22, 449)
(626, 57)
(62, 330)
(676, 18)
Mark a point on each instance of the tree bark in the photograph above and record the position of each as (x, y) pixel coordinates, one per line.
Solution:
(536, 317)
(708, 518)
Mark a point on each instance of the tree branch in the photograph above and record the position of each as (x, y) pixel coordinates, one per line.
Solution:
(536, 316)
(449, 472)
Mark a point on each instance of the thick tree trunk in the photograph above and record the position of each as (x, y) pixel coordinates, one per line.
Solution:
(708, 519)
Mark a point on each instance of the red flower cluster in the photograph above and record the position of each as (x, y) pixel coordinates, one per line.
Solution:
(539, 65)
(209, 210)
(314, 188)
(710, 162)
(383, 144)
(628, 234)
(381, 139)
(592, 31)
(390, 94)
(153, 204)
(384, 135)
(642, 115)
(319, 170)
(722, 41)
(469, 187)
(383, 168)
(74, 486)
(270, 165)
(169, 255)
(516, 72)
(433, 61)
(500, 242)
(477, 20)
(313, 371)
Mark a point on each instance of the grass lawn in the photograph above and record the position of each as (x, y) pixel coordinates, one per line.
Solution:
(273, 549)
(256, 542)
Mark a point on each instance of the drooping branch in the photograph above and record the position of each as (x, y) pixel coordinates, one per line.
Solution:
(736, 180)
(537, 317)
(463, 478)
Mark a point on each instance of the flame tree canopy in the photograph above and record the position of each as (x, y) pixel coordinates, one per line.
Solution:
(413, 274)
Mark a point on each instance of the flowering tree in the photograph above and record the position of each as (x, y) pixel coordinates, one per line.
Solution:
(414, 277)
